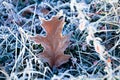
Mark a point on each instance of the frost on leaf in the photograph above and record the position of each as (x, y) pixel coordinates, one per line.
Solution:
(54, 42)
(98, 47)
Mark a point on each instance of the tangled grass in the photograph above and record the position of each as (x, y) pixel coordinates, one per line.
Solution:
(95, 42)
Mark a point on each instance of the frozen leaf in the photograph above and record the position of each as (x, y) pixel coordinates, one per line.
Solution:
(82, 25)
(97, 45)
(54, 42)
(109, 60)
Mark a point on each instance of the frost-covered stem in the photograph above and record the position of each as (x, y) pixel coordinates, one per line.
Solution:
(21, 42)
(117, 68)
(6, 75)
(117, 43)
(33, 26)
(57, 7)
(25, 9)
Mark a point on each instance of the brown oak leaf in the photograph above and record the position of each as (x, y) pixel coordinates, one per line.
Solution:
(54, 42)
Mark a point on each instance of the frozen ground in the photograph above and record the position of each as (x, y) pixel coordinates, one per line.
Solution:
(95, 41)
